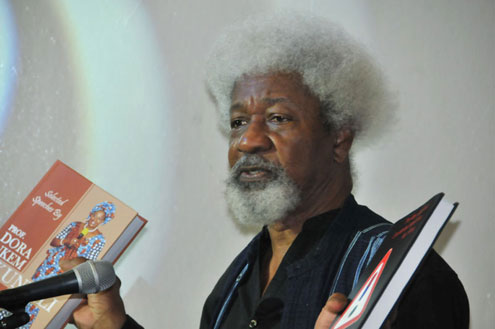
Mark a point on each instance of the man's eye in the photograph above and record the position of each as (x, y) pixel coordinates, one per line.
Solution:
(236, 123)
(279, 119)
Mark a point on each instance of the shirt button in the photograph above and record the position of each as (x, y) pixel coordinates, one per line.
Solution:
(253, 324)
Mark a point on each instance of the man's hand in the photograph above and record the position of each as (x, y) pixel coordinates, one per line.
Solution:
(335, 304)
(103, 310)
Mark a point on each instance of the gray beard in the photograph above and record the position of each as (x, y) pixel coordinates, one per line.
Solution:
(261, 203)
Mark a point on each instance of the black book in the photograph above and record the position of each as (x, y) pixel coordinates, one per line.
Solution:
(394, 264)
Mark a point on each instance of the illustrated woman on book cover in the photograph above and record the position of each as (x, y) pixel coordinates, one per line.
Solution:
(78, 239)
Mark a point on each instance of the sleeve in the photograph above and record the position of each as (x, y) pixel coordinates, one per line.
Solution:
(434, 299)
(65, 231)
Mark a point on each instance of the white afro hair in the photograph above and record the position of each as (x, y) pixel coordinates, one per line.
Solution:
(336, 69)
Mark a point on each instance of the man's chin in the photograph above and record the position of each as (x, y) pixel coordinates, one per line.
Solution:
(261, 203)
(253, 185)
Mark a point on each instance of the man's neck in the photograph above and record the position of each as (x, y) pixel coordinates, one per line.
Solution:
(285, 231)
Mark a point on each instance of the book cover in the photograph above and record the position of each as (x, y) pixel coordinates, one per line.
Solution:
(63, 217)
(395, 262)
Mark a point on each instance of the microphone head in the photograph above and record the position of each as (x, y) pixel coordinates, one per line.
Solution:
(94, 276)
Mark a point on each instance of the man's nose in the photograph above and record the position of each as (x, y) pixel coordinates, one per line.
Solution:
(255, 138)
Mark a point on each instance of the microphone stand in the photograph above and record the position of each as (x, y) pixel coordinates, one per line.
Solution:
(18, 318)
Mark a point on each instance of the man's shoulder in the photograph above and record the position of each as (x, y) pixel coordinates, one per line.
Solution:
(362, 224)
(247, 255)
(366, 230)
(369, 226)
(365, 217)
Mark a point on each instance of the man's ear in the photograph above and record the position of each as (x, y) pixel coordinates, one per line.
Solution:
(342, 145)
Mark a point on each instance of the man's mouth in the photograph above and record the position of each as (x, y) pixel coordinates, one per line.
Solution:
(252, 174)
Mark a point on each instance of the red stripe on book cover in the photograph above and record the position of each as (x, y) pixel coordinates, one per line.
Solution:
(358, 305)
(40, 214)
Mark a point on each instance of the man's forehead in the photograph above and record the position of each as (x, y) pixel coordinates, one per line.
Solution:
(266, 101)
(269, 89)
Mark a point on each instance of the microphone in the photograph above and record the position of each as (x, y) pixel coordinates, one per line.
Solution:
(86, 278)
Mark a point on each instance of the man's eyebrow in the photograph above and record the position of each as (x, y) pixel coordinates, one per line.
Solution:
(236, 106)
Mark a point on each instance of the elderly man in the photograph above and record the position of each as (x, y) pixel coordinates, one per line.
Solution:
(294, 93)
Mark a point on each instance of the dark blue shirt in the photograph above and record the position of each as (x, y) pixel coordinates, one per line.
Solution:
(435, 298)
(251, 309)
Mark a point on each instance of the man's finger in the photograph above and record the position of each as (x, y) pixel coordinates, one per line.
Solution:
(335, 304)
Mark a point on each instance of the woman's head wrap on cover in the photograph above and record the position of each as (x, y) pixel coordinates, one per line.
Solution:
(107, 207)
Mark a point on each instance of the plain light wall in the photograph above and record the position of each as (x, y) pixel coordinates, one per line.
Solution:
(137, 68)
